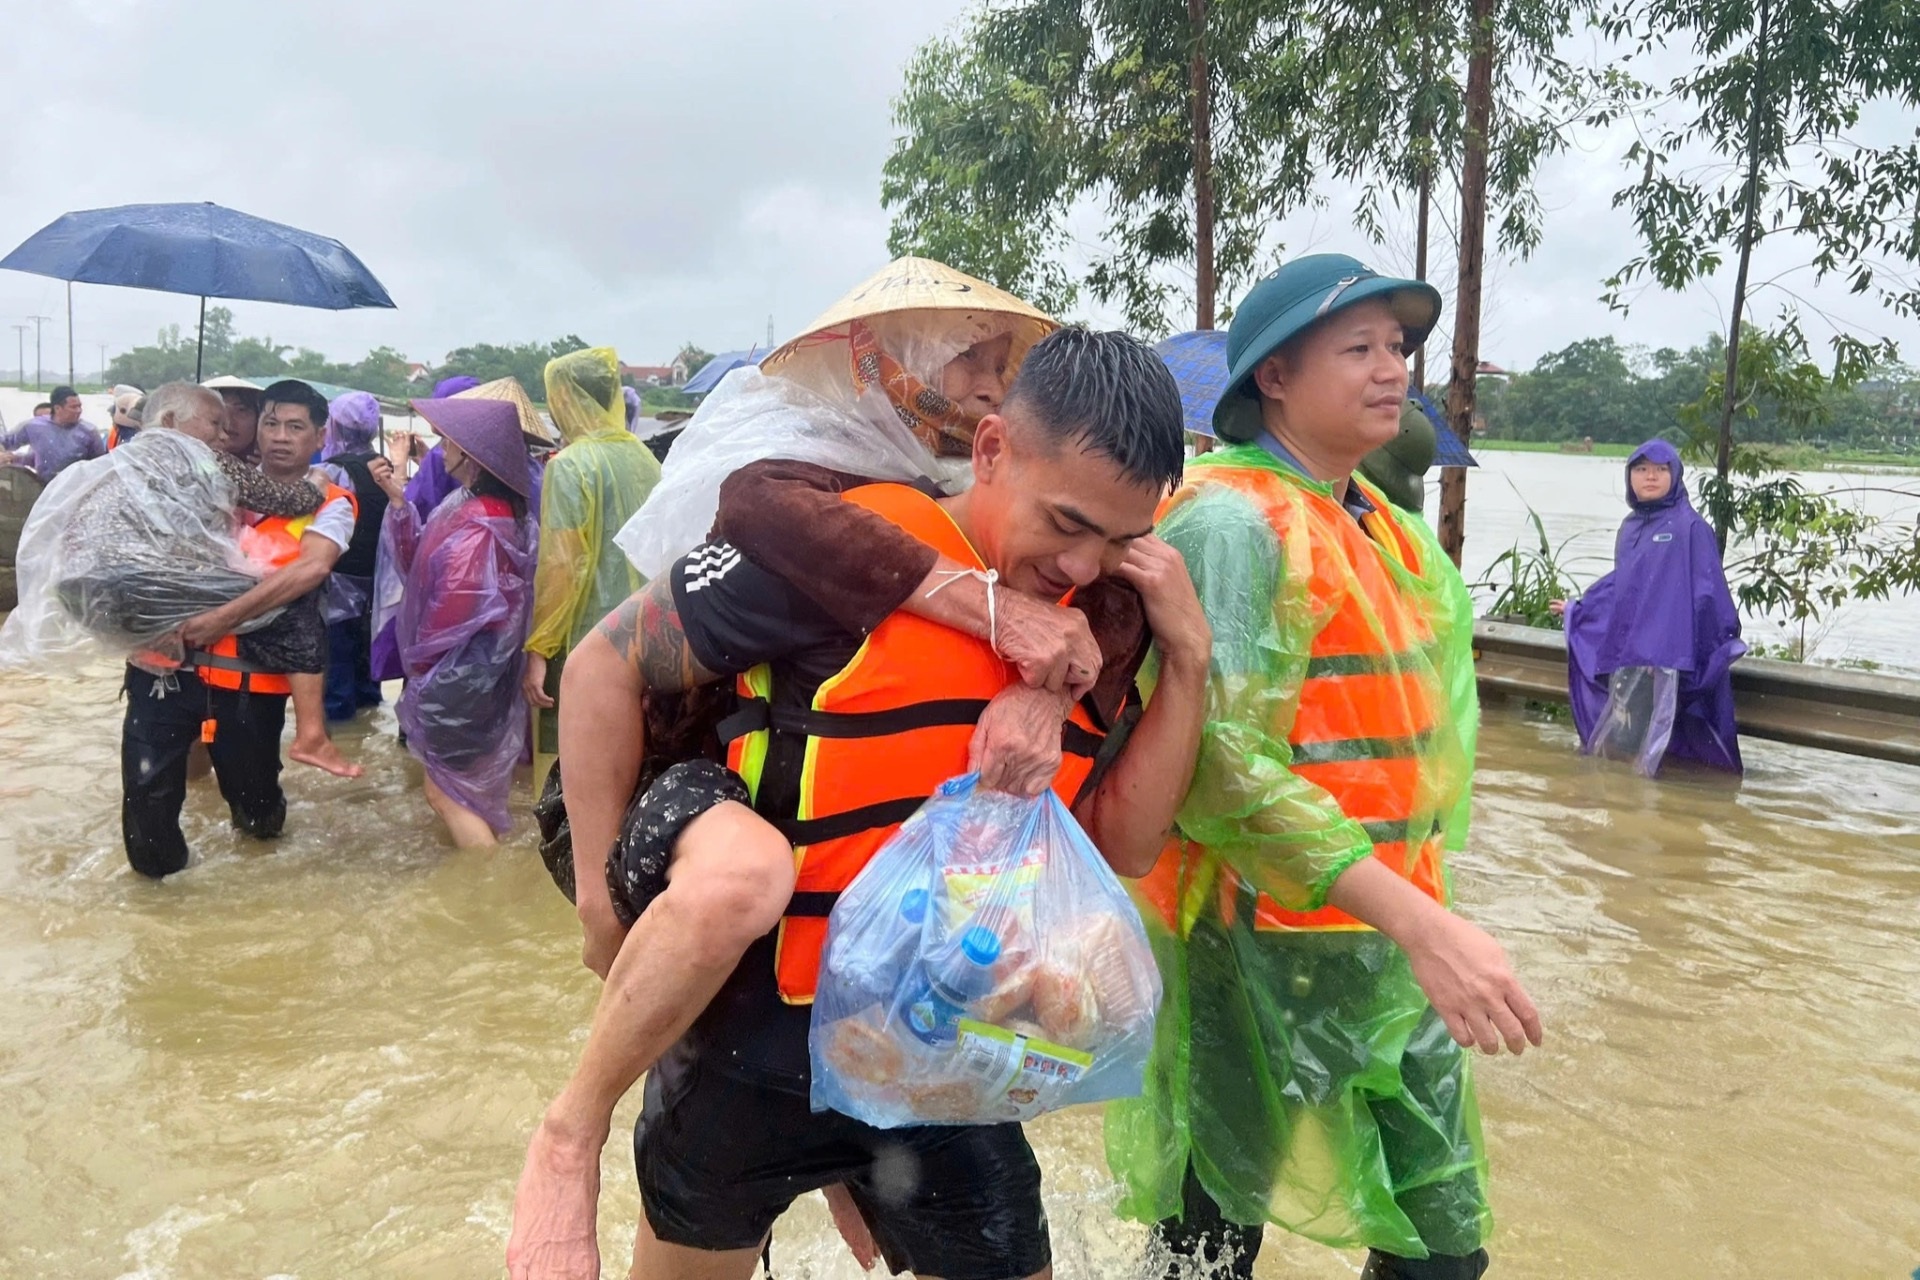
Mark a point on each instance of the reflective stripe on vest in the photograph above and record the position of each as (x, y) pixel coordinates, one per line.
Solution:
(277, 539)
(881, 734)
(1368, 708)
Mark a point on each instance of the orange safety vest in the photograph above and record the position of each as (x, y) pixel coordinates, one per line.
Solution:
(276, 540)
(1366, 706)
(882, 734)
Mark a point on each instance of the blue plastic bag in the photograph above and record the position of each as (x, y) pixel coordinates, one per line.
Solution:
(986, 966)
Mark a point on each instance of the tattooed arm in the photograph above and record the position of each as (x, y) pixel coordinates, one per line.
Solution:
(639, 648)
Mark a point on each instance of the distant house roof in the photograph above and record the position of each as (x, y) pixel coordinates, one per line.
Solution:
(1488, 369)
(657, 374)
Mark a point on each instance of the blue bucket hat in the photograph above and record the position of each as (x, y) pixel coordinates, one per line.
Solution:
(1289, 302)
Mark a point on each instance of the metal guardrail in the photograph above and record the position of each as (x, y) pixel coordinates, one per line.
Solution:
(1855, 712)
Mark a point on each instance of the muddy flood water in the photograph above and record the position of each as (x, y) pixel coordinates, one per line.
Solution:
(322, 1058)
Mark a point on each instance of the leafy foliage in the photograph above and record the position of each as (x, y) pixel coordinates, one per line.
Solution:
(1038, 110)
(1033, 108)
(1785, 98)
(1528, 580)
(1601, 389)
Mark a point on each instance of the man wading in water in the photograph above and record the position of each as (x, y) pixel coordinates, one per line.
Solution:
(1066, 480)
(1308, 1069)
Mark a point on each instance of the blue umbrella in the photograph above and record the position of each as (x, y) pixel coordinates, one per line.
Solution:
(1198, 360)
(199, 249)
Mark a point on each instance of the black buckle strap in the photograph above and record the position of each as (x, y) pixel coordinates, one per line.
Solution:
(812, 904)
(753, 715)
(838, 826)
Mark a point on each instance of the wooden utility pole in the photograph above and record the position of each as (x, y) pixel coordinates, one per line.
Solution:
(1473, 235)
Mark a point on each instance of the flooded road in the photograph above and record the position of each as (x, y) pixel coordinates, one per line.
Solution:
(1581, 502)
(322, 1058)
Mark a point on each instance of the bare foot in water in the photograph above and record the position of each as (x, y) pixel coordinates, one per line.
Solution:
(322, 754)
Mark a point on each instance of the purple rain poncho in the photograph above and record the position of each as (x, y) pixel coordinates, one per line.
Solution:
(53, 447)
(1651, 646)
(353, 424)
(460, 629)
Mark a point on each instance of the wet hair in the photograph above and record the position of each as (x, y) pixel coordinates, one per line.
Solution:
(293, 391)
(181, 399)
(60, 396)
(488, 485)
(1110, 393)
(43, 408)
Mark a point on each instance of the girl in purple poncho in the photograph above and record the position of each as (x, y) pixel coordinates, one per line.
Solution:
(461, 625)
(1651, 646)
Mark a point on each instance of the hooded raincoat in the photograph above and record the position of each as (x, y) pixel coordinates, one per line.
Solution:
(461, 631)
(1651, 646)
(591, 488)
(1299, 1073)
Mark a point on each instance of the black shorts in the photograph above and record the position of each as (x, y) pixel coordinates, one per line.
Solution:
(721, 1157)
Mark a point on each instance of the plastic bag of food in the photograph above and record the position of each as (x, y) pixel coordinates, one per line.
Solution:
(986, 966)
(120, 550)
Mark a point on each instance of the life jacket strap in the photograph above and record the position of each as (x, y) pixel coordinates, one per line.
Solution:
(812, 903)
(757, 715)
(838, 826)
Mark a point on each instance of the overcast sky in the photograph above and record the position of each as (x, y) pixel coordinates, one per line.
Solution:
(636, 173)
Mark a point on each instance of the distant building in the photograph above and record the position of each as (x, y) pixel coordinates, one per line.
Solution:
(654, 375)
(1488, 369)
(417, 372)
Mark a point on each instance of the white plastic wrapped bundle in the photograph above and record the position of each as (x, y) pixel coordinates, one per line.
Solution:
(120, 550)
(986, 966)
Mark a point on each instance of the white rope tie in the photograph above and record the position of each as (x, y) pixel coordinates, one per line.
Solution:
(988, 576)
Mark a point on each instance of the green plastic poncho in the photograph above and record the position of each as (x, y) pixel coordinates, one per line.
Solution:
(592, 486)
(1302, 1073)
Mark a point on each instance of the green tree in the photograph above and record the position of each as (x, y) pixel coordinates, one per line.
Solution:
(526, 361)
(1185, 123)
(1774, 92)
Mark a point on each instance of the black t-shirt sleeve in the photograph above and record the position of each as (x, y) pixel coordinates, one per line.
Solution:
(737, 615)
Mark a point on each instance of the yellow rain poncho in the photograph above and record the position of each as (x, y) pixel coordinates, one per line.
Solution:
(1298, 1068)
(592, 486)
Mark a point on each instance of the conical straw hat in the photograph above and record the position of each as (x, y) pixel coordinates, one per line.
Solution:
(532, 425)
(918, 284)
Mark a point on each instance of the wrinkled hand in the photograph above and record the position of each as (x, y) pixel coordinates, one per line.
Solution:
(1052, 646)
(534, 682)
(399, 449)
(1016, 746)
(1466, 978)
(554, 1210)
(1159, 574)
(381, 469)
(203, 630)
(852, 1227)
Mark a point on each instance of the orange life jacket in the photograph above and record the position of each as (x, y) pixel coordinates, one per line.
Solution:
(882, 734)
(276, 540)
(1366, 705)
